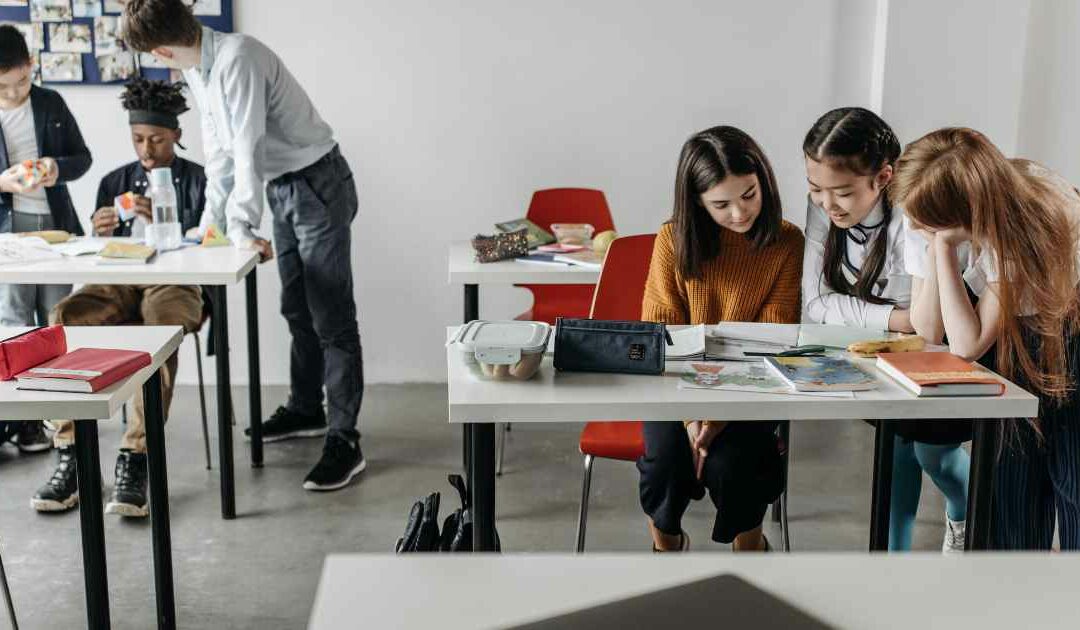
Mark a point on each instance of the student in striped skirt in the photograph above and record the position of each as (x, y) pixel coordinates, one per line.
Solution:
(1008, 230)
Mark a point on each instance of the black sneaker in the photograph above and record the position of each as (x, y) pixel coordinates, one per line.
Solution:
(31, 437)
(288, 425)
(61, 493)
(340, 462)
(129, 495)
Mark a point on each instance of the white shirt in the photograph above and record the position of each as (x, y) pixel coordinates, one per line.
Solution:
(258, 124)
(21, 141)
(823, 305)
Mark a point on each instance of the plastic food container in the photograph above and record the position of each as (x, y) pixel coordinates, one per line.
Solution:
(573, 233)
(505, 351)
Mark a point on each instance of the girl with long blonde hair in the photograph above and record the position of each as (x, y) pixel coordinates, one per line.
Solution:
(992, 245)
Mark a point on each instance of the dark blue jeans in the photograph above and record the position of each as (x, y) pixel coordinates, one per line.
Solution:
(313, 212)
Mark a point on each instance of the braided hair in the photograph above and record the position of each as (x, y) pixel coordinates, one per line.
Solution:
(859, 141)
(157, 96)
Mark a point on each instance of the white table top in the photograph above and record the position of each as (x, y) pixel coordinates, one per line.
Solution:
(160, 341)
(861, 591)
(465, 270)
(574, 397)
(190, 265)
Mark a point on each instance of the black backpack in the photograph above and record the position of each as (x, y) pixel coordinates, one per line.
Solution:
(422, 529)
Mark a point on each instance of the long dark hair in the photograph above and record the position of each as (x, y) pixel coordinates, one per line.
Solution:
(859, 141)
(707, 159)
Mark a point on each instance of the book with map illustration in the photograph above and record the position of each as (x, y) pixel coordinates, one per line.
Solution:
(741, 377)
(821, 374)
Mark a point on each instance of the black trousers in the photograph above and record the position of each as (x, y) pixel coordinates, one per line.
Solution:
(743, 475)
(1037, 478)
(313, 212)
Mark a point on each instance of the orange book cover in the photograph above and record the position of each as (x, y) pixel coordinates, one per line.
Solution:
(938, 368)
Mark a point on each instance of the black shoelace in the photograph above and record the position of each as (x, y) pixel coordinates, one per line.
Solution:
(63, 473)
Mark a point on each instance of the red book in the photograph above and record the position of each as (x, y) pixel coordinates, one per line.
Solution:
(939, 374)
(86, 370)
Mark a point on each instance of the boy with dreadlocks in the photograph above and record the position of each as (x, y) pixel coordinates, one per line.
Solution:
(153, 109)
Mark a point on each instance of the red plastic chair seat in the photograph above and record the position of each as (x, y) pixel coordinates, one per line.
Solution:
(613, 440)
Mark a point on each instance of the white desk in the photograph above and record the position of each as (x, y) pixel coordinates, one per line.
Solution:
(848, 591)
(213, 268)
(466, 271)
(160, 342)
(574, 397)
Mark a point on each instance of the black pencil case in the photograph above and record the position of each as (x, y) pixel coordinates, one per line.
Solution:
(596, 345)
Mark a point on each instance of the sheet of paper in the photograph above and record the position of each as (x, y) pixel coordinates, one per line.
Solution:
(80, 247)
(15, 250)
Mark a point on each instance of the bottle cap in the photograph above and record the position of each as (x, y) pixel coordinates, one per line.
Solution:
(161, 177)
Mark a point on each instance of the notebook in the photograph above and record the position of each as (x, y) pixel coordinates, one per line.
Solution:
(587, 259)
(724, 601)
(119, 253)
(542, 259)
(86, 370)
(838, 337)
(932, 374)
(821, 374)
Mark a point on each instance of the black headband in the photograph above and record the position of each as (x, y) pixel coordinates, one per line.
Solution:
(157, 119)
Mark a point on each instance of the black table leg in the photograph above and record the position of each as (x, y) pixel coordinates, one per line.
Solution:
(472, 312)
(482, 475)
(881, 502)
(95, 574)
(224, 401)
(254, 379)
(984, 447)
(159, 502)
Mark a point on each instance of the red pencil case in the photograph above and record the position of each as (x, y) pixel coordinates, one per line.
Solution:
(30, 349)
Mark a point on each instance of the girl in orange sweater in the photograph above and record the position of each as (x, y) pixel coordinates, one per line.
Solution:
(726, 255)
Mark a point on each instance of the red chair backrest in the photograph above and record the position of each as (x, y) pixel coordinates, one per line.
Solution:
(621, 288)
(570, 205)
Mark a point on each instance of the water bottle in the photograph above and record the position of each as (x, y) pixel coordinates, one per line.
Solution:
(164, 233)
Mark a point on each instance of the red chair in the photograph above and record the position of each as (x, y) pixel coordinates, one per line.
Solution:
(551, 301)
(619, 295)
(565, 205)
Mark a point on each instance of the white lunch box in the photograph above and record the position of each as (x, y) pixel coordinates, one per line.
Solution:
(505, 351)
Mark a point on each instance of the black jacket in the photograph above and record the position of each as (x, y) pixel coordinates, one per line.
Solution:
(58, 137)
(188, 178)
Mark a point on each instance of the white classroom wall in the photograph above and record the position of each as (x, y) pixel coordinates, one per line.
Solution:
(451, 114)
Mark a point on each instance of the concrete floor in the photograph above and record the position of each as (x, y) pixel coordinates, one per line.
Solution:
(261, 570)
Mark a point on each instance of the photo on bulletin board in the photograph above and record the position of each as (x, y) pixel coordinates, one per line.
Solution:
(78, 41)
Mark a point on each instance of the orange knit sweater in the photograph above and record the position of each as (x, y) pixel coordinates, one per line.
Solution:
(741, 285)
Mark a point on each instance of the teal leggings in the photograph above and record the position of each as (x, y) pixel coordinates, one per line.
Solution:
(948, 466)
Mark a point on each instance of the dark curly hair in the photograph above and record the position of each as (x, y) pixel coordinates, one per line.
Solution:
(155, 96)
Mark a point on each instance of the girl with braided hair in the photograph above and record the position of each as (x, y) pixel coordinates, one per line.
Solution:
(854, 275)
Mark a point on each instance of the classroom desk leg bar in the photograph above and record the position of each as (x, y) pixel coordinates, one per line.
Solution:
(882, 492)
(224, 402)
(472, 312)
(95, 574)
(159, 502)
(254, 379)
(984, 448)
(482, 474)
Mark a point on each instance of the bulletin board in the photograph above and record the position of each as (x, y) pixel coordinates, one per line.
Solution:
(77, 41)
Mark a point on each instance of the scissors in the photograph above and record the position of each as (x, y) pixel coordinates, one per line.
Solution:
(801, 351)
